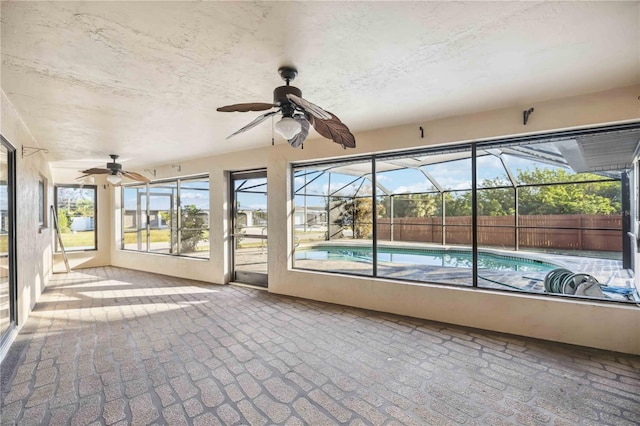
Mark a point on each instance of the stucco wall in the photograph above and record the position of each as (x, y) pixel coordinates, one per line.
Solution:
(591, 324)
(34, 245)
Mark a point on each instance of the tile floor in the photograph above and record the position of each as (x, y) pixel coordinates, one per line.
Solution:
(116, 346)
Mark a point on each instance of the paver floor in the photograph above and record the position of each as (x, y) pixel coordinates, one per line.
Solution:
(116, 346)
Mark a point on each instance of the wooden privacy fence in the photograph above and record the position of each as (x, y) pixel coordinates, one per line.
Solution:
(574, 231)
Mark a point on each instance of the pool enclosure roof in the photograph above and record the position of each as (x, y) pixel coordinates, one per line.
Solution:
(603, 153)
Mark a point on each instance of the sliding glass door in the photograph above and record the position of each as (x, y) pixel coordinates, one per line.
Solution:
(249, 234)
(7, 239)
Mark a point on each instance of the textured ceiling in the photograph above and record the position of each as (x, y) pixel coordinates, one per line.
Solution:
(143, 79)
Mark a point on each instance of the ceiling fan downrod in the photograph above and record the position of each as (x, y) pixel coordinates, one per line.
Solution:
(288, 74)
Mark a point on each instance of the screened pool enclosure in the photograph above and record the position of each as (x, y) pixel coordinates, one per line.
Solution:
(500, 214)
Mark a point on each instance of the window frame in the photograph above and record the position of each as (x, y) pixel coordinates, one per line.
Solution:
(43, 217)
(145, 214)
(95, 216)
(12, 244)
(472, 147)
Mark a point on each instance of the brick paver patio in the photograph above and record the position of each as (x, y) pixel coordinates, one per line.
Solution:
(116, 346)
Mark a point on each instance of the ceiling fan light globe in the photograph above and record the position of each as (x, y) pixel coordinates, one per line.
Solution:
(287, 127)
(114, 179)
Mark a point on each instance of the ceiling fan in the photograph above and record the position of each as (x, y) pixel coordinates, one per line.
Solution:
(297, 115)
(114, 172)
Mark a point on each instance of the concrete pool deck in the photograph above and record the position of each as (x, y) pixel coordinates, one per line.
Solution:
(607, 271)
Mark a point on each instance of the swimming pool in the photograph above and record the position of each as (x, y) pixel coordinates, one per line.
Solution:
(452, 258)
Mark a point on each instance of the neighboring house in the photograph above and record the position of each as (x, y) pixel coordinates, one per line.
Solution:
(159, 204)
(81, 223)
(311, 216)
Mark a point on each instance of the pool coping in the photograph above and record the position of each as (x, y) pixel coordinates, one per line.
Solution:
(526, 256)
(608, 272)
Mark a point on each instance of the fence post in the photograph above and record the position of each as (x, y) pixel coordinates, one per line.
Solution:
(516, 219)
(444, 230)
(391, 216)
(580, 244)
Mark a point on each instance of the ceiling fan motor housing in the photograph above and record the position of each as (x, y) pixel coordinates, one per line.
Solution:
(114, 167)
(280, 98)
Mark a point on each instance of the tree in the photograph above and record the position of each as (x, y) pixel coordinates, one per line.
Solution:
(64, 221)
(166, 217)
(570, 196)
(193, 222)
(496, 202)
(83, 207)
(457, 203)
(559, 192)
(351, 211)
(416, 205)
(359, 214)
(193, 230)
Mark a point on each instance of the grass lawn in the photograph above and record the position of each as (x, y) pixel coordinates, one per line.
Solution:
(85, 239)
(73, 240)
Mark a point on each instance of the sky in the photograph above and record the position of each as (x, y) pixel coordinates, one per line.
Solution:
(453, 175)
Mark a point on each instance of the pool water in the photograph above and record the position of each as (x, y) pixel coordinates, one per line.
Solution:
(427, 257)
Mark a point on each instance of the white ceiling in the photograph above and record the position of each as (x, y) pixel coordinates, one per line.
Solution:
(143, 79)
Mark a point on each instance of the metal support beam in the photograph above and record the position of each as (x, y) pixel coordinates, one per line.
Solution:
(374, 216)
(627, 250)
(516, 218)
(474, 215)
(444, 218)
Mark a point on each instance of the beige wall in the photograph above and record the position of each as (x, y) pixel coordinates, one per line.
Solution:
(583, 323)
(34, 245)
(607, 326)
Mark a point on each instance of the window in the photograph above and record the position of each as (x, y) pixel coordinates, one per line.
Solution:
(76, 208)
(168, 217)
(540, 215)
(42, 202)
(334, 205)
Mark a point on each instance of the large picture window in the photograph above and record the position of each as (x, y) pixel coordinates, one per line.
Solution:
(168, 217)
(541, 215)
(76, 208)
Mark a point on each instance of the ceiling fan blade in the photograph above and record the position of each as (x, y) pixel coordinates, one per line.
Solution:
(255, 122)
(135, 176)
(255, 106)
(299, 139)
(96, 171)
(336, 130)
(312, 109)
